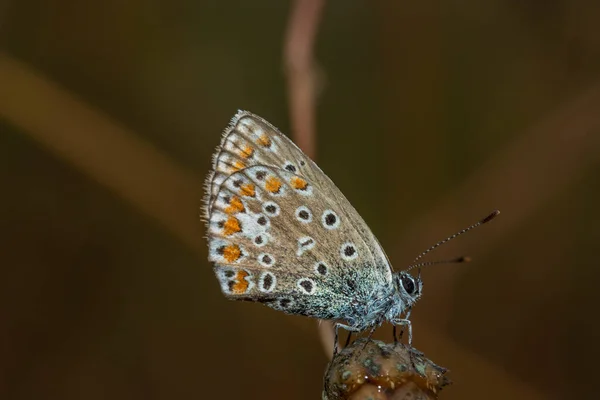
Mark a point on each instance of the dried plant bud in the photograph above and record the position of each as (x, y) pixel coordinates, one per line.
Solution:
(371, 369)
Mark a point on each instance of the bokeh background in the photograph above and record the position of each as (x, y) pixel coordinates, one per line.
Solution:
(428, 115)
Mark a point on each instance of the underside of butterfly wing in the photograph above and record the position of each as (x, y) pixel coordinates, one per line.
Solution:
(276, 239)
(281, 233)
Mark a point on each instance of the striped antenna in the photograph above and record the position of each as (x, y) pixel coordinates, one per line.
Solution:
(414, 264)
(458, 260)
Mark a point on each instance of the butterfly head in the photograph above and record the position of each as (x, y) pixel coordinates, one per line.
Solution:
(408, 287)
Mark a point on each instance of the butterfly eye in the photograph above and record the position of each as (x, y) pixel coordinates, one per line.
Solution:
(408, 284)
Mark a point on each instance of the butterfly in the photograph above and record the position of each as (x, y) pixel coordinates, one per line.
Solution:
(281, 233)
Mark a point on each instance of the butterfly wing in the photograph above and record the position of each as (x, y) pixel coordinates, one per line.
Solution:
(280, 232)
(250, 140)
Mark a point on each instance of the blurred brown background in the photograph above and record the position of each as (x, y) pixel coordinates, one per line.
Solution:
(429, 115)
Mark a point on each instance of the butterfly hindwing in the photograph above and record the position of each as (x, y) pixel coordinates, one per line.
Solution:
(276, 238)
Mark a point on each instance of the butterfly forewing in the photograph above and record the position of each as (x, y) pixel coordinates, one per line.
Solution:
(279, 230)
(250, 141)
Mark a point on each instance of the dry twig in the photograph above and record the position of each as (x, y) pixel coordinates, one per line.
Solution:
(301, 79)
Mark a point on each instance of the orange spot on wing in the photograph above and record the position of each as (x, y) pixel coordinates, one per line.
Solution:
(231, 226)
(248, 190)
(232, 252)
(241, 284)
(247, 152)
(264, 140)
(298, 183)
(238, 165)
(235, 205)
(273, 184)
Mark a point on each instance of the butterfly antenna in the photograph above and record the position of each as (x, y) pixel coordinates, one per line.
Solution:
(414, 264)
(458, 260)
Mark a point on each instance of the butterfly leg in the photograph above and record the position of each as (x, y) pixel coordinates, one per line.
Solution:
(348, 339)
(370, 336)
(402, 330)
(405, 322)
(346, 327)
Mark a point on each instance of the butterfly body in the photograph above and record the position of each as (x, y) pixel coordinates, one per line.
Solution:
(281, 233)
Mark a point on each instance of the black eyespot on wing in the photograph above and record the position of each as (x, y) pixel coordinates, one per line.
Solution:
(266, 259)
(303, 214)
(307, 242)
(302, 163)
(284, 303)
(322, 269)
(258, 240)
(262, 221)
(229, 274)
(349, 251)
(260, 175)
(238, 183)
(267, 282)
(271, 209)
(290, 167)
(330, 219)
(307, 285)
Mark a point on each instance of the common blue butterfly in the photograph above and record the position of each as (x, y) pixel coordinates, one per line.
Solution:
(281, 233)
